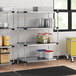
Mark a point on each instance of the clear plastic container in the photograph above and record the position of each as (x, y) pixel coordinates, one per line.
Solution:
(6, 40)
(41, 53)
(50, 38)
(38, 37)
(49, 54)
(0, 40)
(43, 39)
(42, 22)
(46, 35)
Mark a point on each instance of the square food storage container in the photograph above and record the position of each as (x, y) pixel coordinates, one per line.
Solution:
(49, 54)
(41, 53)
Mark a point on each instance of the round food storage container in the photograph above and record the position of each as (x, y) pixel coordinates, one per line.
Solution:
(43, 39)
(6, 40)
(0, 40)
(38, 37)
(46, 35)
(41, 53)
(49, 54)
(50, 38)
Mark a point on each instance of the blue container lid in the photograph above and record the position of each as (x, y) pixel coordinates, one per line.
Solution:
(41, 50)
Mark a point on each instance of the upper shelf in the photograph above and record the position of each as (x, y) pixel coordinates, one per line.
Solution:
(21, 28)
(46, 28)
(32, 28)
(38, 12)
(26, 12)
(36, 44)
(4, 11)
(5, 28)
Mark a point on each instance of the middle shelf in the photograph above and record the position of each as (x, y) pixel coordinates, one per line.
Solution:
(36, 44)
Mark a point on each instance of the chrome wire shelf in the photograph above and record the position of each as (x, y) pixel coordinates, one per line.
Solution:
(35, 59)
(35, 28)
(36, 44)
(6, 64)
(5, 46)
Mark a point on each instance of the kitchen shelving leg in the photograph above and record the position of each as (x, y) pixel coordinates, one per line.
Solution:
(24, 65)
(12, 64)
(17, 37)
(72, 59)
(17, 61)
(57, 36)
(17, 55)
(24, 58)
(13, 67)
(67, 57)
(24, 40)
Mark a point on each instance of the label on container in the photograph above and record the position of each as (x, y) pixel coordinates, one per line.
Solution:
(45, 41)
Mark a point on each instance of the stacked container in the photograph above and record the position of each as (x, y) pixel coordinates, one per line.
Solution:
(50, 38)
(6, 40)
(44, 38)
(41, 53)
(0, 40)
(38, 37)
(49, 54)
(4, 56)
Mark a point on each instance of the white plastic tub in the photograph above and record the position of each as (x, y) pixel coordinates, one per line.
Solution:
(41, 53)
(49, 54)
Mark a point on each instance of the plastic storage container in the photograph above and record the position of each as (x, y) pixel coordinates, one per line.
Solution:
(6, 40)
(50, 38)
(0, 40)
(38, 37)
(71, 48)
(46, 35)
(4, 56)
(49, 54)
(47, 22)
(41, 53)
(43, 39)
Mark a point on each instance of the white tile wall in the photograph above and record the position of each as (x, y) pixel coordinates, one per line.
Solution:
(24, 3)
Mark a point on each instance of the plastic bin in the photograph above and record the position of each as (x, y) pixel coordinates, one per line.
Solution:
(6, 40)
(71, 48)
(49, 54)
(0, 40)
(41, 53)
(4, 56)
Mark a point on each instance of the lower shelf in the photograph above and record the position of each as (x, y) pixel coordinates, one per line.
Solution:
(5, 46)
(35, 59)
(5, 64)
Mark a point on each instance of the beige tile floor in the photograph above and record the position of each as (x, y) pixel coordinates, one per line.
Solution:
(17, 67)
